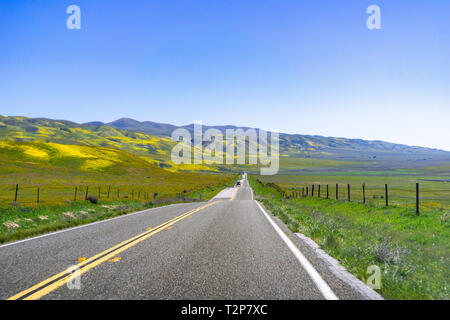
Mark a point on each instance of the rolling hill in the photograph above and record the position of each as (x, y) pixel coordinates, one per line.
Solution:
(307, 146)
(151, 141)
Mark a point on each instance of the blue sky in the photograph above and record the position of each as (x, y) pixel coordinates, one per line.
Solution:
(308, 67)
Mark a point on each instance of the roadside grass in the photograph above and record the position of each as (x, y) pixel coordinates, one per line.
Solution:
(412, 252)
(22, 222)
(58, 169)
(434, 189)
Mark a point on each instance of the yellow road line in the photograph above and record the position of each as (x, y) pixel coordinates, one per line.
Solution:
(45, 287)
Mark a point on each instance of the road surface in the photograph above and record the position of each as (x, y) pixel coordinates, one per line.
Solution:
(226, 248)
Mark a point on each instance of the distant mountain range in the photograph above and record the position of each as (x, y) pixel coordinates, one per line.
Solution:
(298, 145)
(151, 140)
(154, 128)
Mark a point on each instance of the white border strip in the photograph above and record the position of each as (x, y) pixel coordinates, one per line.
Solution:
(126, 215)
(315, 276)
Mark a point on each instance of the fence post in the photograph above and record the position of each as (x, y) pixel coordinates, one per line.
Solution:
(417, 199)
(139, 195)
(87, 190)
(109, 189)
(337, 191)
(37, 193)
(17, 191)
(75, 197)
(312, 191)
(386, 194)
(348, 189)
(307, 191)
(327, 192)
(118, 193)
(318, 191)
(98, 192)
(364, 193)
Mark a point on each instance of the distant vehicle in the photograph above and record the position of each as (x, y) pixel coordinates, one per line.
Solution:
(238, 184)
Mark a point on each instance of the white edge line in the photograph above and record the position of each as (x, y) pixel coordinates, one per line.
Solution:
(88, 225)
(315, 276)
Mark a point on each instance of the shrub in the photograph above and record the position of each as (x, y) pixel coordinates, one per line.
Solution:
(92, 199)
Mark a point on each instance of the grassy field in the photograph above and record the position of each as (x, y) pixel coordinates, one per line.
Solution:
(434, 185)
(58, 169)
(412, 252)
(25, 221)
(121, 181)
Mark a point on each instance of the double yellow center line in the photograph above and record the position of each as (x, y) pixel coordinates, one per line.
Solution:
(45, 287)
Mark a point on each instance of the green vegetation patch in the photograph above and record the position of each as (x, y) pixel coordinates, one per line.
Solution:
(22, 222)
(412, 252)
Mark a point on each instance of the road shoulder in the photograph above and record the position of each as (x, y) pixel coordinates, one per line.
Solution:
(345, 285)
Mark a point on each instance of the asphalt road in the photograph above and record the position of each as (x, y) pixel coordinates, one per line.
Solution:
(226, 248)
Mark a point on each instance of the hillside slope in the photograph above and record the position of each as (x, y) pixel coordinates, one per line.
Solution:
(57, 168)
(151, 141)
(309, 146)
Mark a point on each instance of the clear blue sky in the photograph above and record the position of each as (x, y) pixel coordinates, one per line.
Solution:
(308, 67)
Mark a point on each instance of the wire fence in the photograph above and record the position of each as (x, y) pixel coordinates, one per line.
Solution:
(374, 194)
(31, 195)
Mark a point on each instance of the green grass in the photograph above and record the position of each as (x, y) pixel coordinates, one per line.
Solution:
(35, 220)
(58, 172)
(412, 252)
(434, 186)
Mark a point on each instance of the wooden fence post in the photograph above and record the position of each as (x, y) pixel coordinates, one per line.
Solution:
(386, 195)
(109, 189)
(37, 200)
(118, 193)
(307, 191)
(417, 199)
(318, 191)
(98, 192)
(17, 191)
(348, 190)
(312, 191)
(337, 191)
(364, 193)
(87, 190)
(75, 197)
(327, 192)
